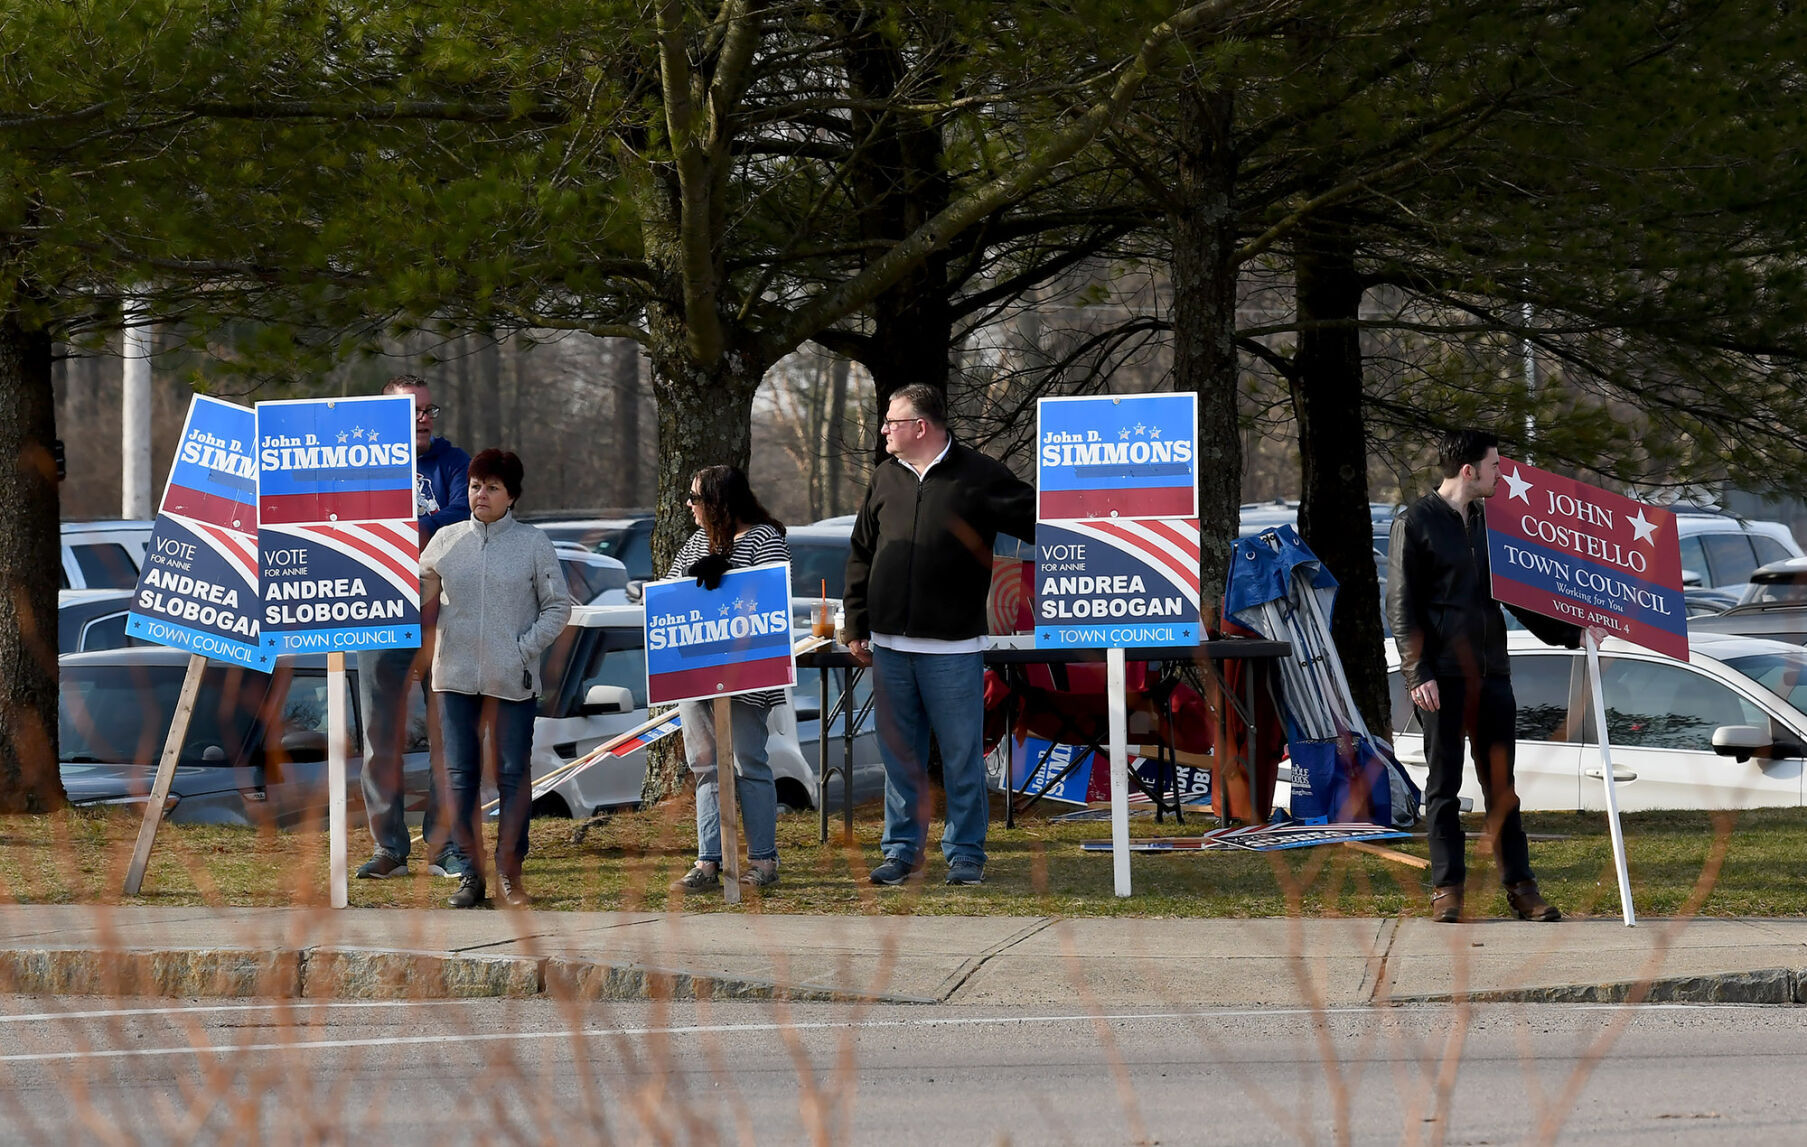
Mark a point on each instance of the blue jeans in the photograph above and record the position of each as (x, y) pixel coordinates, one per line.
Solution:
(753, 787)
(467, 719)
(385, 680)
(943, 693)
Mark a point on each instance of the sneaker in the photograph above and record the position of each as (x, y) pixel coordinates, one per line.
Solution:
(760, 873)
(450, 864)
(1529, 903)
(965, 872)
(470, 891)
(381, 867)
(513, 894)
(895, 870)
(702, 877)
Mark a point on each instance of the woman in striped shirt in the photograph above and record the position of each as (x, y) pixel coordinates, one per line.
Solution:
(733, 530)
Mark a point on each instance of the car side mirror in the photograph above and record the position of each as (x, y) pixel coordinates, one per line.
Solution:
(1691, 579)
(1741, 742)
(636, 591)
(600, 699)
(301, 745)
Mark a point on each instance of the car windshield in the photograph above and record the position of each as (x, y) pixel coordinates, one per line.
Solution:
(629, 545)
(1784, 674)
(815, 562)
(1791, 590)
(118, 714)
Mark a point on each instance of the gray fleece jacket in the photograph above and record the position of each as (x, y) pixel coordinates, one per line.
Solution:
(502, 601)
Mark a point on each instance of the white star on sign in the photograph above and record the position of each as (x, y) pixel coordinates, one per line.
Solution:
(1643, 529)
(740, 603)
(724, 611)
(1140, 430)
(1123, 433)
(1154, 431)
(341, 435)
(373, 436)
(1518, 486)
(357, 432)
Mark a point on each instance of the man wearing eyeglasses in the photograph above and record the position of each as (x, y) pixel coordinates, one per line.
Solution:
(918, 573)
(441, 497)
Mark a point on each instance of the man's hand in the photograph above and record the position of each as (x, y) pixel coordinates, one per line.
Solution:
(1425, 696)
(861, 650)
(1599, 633)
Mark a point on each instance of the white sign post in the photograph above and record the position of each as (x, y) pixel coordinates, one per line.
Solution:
(1598, 697)
(335, 776)
(1117, 547)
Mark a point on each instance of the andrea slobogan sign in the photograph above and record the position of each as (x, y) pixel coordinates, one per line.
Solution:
(338, 543)
(1120, 583)
(1117, 456)
(198, 588)
(704, 643)
(1585, 555)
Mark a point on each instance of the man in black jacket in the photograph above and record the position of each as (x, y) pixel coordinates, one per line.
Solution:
(1452, 652)
(918, 574)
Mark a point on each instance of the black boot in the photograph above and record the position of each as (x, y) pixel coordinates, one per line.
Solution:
(470, 890)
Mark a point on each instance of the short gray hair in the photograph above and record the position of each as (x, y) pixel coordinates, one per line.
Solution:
(929, 403)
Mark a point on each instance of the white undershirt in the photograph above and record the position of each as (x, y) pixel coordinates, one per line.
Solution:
(897, 643)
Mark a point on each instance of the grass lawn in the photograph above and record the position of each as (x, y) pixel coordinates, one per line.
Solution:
(1718, 864)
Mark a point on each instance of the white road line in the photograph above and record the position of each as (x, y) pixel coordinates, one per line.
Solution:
(185, 1009)
(728, 1029)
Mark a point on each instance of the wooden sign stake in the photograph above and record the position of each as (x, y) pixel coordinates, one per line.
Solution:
(166, 775)
(730, 805)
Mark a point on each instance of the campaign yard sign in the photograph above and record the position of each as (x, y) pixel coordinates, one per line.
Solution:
(704, 643)
(1116, 583)
(1117, 456)
(1047, 761)
(1585, 555)
(198, 588)
(338, 545)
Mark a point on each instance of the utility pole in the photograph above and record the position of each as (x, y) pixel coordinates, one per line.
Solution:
(135, 420)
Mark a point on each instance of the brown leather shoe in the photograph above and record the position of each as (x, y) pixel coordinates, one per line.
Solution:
(1529, 903)
(1446, 904)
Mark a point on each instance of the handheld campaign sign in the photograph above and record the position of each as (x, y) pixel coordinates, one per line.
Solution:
(338, 543)
(1584, 555)
(1117, 456)
(704, 643)
(1122, 582)
(198, 588)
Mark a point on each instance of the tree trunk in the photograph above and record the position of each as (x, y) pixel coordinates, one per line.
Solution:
(486, 377)
(1333, 454)
(1204, 322)
(30, 556)
(625, 380)
(705, 419)
(897, 175)
(835, 441)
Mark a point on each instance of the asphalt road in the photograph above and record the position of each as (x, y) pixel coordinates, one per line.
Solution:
(77, 1070)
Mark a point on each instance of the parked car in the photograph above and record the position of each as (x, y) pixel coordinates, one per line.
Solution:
(91, 619)
(594, 679)
(595, 579)
(1720, 551)
(254, 752)
(1726, 729)
(103, 554)
(630, 542)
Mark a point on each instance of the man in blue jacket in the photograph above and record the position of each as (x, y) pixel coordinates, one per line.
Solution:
(384, 677)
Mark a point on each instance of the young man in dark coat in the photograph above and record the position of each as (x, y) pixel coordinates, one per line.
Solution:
(1452, 653)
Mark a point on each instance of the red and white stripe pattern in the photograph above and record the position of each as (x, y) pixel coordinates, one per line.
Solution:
(238, 549)
(389, 549)
(1170, 545)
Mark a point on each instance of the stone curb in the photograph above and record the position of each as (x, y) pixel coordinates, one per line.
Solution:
(369, 974)
(1765, 986)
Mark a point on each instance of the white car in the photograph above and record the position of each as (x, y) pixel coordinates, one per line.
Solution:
(1724, 730)
(595, 688)
(103, 555)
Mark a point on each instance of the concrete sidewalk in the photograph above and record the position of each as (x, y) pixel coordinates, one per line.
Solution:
(1013, 961)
